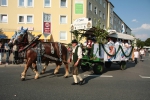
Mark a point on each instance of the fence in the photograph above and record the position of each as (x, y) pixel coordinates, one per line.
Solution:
(3, 56)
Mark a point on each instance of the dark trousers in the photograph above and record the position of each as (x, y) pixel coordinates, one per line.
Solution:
(15, 56)
(136, 61)
(141, 56)
(7, 56)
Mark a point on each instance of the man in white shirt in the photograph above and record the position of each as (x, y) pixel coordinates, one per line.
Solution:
(76, 57)
(142, 53)
(136, 56)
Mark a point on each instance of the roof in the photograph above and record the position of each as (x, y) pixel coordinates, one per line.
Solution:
(115, 34)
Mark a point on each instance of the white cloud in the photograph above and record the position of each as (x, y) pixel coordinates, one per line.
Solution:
(134, 20)
(146, 26)
(142, 32)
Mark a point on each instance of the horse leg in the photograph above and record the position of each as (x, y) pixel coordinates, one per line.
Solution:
(66, 70)
(56, 71)
(44, 68)
(23, 74)
(35, 71)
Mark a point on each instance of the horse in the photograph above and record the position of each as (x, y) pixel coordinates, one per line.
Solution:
(53, 51)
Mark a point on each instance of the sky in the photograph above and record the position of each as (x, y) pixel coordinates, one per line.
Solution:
(136, 15)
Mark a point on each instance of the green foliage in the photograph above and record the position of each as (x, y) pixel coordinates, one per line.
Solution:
(147, 42)
(100, 34)
(140, 43)
(77, 34)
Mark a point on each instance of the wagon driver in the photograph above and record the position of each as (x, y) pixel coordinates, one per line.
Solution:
(76, 56)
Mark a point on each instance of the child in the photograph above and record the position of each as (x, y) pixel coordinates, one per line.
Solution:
(136, 55)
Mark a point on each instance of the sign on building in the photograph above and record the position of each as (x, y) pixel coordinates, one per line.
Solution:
(78, 6)
(46, 24)
(81, 23)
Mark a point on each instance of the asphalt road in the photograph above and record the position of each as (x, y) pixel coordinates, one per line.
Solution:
(115, 84)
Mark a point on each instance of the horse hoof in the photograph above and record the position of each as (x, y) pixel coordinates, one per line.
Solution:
(36, 77)
(65, 76)
(22, 79)
(56, 73)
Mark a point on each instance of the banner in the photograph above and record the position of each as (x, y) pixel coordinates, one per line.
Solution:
(46, 24)
(81, 23)
(119, 56)
(99, 52)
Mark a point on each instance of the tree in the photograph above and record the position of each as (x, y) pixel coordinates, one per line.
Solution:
(140, 43)
(147, 42)
(100, 33)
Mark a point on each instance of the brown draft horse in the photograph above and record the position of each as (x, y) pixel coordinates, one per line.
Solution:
(31, 56)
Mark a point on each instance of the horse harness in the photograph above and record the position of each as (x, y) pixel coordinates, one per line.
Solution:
(42, 51)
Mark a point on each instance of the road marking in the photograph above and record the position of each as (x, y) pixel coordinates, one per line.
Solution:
(144, 76)
(100, 75)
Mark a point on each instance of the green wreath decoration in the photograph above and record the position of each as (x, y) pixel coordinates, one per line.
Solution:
(110, 54)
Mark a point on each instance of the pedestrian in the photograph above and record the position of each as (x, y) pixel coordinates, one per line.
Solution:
(7, 51)
(76, 58)
(1, 51)
(142, 53)
(39, 51)
(15, 51)
(136, 56)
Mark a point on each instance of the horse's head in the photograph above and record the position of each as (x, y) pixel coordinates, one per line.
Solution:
(21, 38)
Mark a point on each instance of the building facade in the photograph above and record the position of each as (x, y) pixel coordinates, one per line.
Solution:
(29, 14)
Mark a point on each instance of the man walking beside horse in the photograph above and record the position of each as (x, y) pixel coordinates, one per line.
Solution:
(76, 57)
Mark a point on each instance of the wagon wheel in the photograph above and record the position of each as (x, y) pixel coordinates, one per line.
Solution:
(85, 67)
(107, 64)
(123, 65)
(98, 68)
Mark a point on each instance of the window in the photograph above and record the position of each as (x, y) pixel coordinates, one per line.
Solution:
(25, 3)
(104, 5)
(29, 19)
(3, 2)
(63, 35)
(25, 18)
(103, 26)
(100, 13)
(103, 16)
(100, 1)
(3, 18)
(30, 3)
(110, 20)
(47, 3)
(111, 10)
(90, 6)
(63, 19)
(21, 3)
(114, 27)
(63, 3)
(95, 10)
(21, 19)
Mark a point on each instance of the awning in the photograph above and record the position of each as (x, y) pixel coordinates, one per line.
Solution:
(121, 35)
(3, 36)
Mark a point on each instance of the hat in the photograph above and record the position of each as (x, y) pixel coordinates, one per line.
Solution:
(89, 38)
(74, 41)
